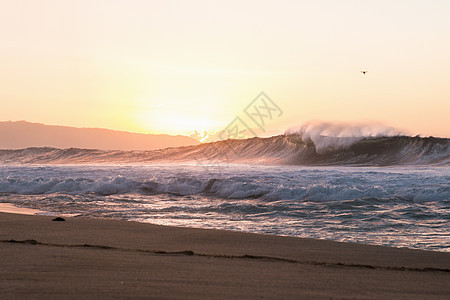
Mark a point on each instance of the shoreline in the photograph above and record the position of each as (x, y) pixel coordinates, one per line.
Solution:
(103, 258)
(13, 209)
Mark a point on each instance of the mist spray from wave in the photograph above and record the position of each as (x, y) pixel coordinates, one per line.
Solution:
(333, 135)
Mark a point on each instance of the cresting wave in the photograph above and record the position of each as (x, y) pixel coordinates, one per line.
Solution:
(269, 185)
(231, 188)
(290, 149)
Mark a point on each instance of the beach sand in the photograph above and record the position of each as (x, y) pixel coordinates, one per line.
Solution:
(95, 258)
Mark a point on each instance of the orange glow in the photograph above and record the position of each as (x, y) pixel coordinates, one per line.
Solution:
(173, 67)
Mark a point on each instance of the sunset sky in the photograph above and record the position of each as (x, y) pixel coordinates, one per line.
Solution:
(177, 66)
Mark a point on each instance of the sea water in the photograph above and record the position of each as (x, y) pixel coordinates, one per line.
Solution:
(403, 206)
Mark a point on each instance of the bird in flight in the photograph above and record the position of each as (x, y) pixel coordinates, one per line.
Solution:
(364, 72)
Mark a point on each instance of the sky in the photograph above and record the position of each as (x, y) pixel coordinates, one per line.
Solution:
(177, 66)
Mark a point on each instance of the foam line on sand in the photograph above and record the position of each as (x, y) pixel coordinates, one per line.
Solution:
(245, 256)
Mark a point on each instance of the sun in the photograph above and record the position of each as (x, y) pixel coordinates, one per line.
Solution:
(166, 119)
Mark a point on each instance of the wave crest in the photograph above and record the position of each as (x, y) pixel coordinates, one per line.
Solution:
(328, 135)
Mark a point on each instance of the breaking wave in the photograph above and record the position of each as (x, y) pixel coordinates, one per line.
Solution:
(290, 148)
(329, 135)
(269, 183)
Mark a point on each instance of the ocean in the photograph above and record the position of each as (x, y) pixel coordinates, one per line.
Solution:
(392, 191)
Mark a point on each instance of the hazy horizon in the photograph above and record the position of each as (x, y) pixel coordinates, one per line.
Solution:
(337, 129)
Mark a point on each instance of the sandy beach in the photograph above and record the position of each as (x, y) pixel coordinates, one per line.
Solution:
(95, 258)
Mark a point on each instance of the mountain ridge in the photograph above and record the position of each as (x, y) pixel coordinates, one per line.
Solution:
(23, 134)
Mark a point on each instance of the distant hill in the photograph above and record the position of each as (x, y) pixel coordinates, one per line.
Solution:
(22, 134)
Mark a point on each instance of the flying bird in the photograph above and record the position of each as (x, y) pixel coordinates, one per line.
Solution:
(364, 72)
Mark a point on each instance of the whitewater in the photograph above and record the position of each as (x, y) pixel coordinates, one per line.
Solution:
(392, 191)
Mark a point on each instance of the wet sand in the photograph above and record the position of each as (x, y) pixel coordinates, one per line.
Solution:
(95, 258)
